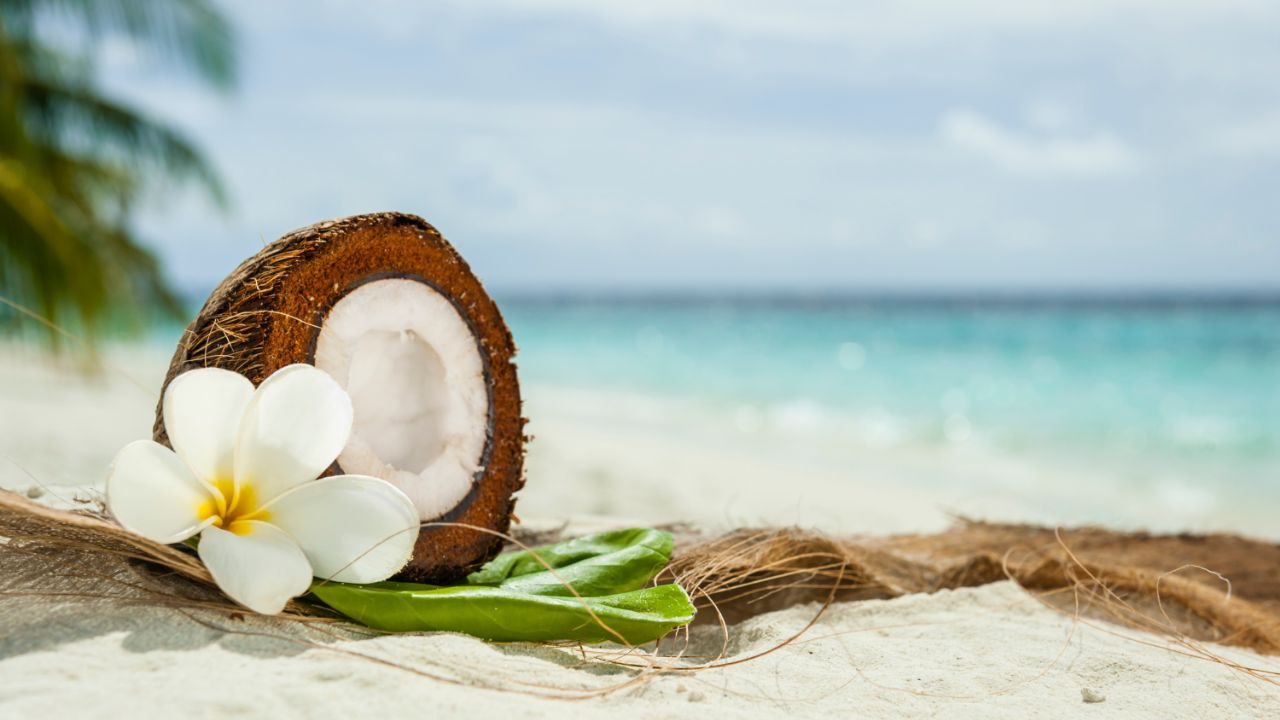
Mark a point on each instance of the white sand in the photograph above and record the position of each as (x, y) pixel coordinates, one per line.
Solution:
(990, 652)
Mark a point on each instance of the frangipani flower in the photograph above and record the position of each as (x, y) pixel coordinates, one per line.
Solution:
(242, 474)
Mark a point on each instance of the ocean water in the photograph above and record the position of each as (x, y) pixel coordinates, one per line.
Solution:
(1139, 412)
(1177, 400)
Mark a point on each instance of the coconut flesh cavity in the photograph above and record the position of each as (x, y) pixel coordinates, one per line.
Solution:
(416, 381)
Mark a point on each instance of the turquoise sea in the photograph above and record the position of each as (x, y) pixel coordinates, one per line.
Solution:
(1175, 397)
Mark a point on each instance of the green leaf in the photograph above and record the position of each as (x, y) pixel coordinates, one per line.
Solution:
(515, 597)
(600, 564)
(491, 613)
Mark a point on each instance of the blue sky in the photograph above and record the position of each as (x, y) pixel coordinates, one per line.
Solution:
(740, 144)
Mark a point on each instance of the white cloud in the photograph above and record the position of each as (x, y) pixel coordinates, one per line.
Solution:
(927, 234)
(1049, 115)
(718, 223)
(1025, 154)
(874, 23)
(579, 141)
(1257, 137)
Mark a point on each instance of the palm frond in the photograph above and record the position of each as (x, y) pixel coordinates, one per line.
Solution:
(191, 33)
(74, 162)
(71, 116)
(47, 262)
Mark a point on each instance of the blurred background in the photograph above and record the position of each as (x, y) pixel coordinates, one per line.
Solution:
(838, 264)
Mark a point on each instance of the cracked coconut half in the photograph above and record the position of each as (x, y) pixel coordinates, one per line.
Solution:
(386, 306)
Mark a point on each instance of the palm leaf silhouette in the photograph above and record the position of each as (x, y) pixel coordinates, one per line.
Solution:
(75, 162)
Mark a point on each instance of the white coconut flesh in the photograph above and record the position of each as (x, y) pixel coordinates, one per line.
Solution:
(416, 379)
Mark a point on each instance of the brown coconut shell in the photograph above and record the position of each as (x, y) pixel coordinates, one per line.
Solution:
(268, 312)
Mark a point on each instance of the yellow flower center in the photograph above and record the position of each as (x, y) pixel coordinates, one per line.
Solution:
(232, 506)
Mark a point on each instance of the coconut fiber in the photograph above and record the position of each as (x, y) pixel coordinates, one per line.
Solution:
(1220, 588)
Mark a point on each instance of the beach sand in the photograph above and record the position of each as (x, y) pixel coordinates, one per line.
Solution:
(991, 652)
(988, 652)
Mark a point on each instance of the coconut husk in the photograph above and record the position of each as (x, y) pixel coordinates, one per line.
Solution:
(267, 314)
(1220, 588)
(1217, 587)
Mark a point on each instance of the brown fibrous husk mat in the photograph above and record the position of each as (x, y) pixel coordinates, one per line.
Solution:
(1190, 588)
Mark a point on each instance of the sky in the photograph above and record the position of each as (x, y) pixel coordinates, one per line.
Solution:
(739, 145)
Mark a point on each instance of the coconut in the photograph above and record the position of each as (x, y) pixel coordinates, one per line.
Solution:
(386, 306)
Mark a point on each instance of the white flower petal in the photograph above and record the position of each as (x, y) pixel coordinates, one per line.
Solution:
(353, 528)
(151, 492)
(258, 565)
(202, 412)
(294, 427)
